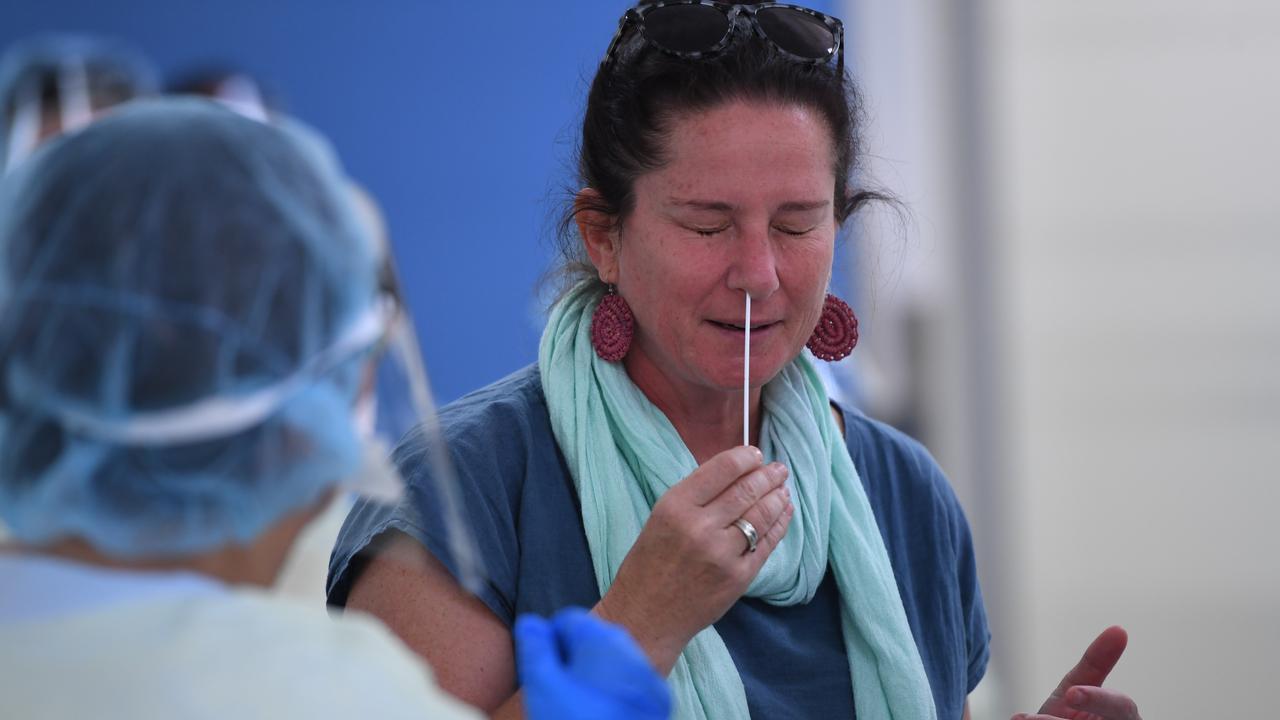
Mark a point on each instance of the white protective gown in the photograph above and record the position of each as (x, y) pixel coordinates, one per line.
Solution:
(80, 642)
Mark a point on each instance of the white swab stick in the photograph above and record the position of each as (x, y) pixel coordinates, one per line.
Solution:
(746, 375)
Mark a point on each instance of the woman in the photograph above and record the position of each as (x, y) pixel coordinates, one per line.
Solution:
(188, 306)
(824, 569)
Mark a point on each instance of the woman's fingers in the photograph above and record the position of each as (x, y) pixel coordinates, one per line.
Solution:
(769, 541)
(1079, 693)
(766, 513)
(739, 498)
(712, 478)
(1109, 704)
(1045, 716)
(1098, 661)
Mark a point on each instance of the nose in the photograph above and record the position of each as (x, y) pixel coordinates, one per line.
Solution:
(754, 266)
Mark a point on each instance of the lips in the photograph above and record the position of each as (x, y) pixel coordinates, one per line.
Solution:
(738, 327)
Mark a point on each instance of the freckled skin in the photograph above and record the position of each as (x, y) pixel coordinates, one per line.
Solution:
(762, 175)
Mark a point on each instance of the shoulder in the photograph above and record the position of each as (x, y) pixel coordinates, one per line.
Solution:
(507, 478)
(905, 486)
(500, 449)
(242, 653)
(519, 392)
(895, 456)
(500, 424)
(513, 401)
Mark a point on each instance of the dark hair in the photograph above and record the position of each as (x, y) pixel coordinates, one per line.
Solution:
(212, 81)
(633, 101)
(108, 85)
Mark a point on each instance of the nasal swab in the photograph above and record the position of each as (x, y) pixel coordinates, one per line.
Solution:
(746, 375)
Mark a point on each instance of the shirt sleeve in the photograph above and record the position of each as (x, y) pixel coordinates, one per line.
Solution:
(485, 523)
(974, 614)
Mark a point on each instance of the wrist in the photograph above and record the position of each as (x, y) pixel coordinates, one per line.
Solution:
(661, 645)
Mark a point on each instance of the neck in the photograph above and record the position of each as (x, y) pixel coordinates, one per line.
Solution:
(255, 563)
(708, 420)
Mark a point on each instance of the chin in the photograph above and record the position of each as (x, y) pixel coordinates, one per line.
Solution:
(729, 378)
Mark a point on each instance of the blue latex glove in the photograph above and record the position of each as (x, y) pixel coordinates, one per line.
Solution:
(578, 666)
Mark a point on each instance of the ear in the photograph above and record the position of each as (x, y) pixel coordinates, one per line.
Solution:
(599, 234)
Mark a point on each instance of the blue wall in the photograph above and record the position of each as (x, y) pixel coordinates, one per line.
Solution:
(458, 117)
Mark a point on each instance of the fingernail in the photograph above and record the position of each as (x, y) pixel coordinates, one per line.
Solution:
(1076, 696)
(759, 455)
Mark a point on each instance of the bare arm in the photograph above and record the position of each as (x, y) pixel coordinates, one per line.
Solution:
(684, 571)
(468, 647)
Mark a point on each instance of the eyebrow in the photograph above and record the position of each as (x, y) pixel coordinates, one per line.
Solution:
(715, 205)
(700, 204)
(804, 206)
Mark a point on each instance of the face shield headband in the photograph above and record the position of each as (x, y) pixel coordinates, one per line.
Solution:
(216, 417)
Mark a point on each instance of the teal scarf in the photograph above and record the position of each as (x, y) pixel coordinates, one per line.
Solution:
(624, 453)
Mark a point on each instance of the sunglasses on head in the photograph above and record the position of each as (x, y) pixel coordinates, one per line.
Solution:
(695, 29)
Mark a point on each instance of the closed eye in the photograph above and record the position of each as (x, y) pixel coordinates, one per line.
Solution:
(794, 231)
(709, 232)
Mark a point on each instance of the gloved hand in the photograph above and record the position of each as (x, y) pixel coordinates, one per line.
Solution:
(578, 666)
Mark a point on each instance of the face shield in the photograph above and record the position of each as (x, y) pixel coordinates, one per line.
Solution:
(402, 413)
(396, 410)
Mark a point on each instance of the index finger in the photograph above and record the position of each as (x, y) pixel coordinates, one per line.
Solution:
(715, 475)
(1098, 660)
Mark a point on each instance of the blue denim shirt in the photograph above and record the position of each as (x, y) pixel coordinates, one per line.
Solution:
(523, 510)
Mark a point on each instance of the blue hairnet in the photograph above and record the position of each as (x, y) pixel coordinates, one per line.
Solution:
(171, 258)
(32, 70)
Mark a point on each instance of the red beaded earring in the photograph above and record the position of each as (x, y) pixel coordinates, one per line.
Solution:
(612, 327)
(837, 331)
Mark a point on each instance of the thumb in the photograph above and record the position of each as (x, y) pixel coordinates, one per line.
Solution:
(537, 651)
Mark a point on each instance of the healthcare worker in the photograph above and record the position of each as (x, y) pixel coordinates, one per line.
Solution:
(189, 315)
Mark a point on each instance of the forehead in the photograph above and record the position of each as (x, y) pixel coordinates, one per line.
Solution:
(741, 146)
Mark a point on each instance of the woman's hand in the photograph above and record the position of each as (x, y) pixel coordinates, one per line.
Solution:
(576, 666)
(1080, 695)
(690, 563)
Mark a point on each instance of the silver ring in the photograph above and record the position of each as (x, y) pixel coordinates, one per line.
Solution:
(749, 532)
